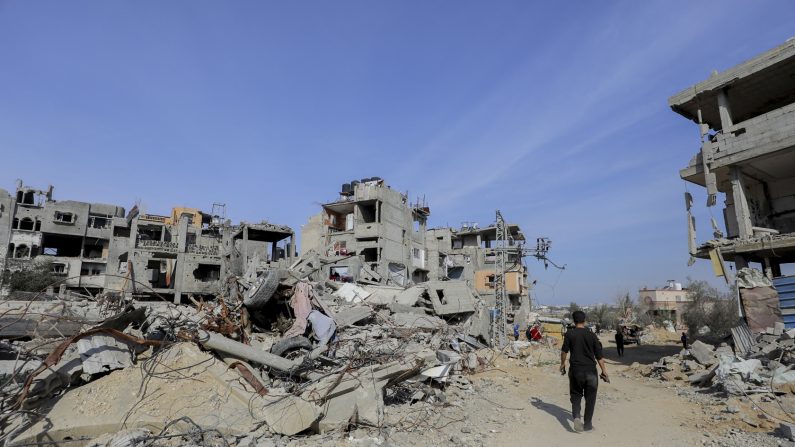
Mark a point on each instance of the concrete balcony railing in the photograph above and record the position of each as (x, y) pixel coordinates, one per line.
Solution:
(764, 134)
(162, 246)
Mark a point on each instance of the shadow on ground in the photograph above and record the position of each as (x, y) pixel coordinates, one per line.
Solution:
(561, 414)
(643, 354)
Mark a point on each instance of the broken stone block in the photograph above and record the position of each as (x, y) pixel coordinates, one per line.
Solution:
(338, 413)
(370, 404)
(698, 378)
(290, 415)
(702, 352)
(778, 329)
(472, 361)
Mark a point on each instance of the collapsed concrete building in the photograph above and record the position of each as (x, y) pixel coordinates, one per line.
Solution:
(98, 248)
(374, 234)
(746, 117)
(364, 329)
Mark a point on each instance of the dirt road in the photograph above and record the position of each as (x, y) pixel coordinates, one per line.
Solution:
(630, 411)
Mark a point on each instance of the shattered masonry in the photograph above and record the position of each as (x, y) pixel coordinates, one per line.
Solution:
(364, 328)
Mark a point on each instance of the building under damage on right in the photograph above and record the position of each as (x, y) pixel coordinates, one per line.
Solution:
(746, 118)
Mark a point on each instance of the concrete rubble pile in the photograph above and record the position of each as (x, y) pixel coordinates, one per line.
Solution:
(278, 353)
(763, 364)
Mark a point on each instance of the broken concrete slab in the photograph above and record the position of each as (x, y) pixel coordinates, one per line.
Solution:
(370, 402)
(182, 381)
(103, 353)
(410, 296)
(338, 384)
(338, 413)
(352, 293)
(57, 377)
(46, 319)
(451, 297)
(352, 315)
(289, 415)
(382, 295)
(702, 352)
(401, 308)
(17, 371)
(415, 321)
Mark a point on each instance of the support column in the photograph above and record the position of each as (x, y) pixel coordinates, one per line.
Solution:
(741, 211)
(725, 111)
(245, 247)
(768, 269)
(179, 269)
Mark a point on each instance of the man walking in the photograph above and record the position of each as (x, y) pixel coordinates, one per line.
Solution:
(620, 341)
(586, 352)
(684, 340)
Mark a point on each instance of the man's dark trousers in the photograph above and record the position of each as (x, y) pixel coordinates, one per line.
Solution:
(583, 383)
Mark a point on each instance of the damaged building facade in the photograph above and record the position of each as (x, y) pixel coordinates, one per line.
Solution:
(367, 328)
(746, 118)
(374, 234)
(98, 248)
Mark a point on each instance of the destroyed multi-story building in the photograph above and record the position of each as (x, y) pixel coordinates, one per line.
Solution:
(746, 117)
(373, 233)
(95, 248)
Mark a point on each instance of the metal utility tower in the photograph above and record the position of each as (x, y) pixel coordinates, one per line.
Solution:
(500, 317)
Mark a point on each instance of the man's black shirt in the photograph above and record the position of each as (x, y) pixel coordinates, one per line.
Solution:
(584, 348)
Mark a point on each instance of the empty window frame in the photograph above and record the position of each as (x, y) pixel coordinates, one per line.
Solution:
(64, 217)
(368, 212)
(26, 224)
(99, 221)
(207, 272)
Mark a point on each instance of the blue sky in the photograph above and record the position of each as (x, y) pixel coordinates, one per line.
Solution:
(556, 113)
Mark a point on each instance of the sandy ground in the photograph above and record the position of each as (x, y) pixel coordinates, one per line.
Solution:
(629, 412)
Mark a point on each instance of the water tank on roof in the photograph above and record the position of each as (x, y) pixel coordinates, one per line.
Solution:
(375, 179)
(366, 179)
(346, 188)
(353, 184)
